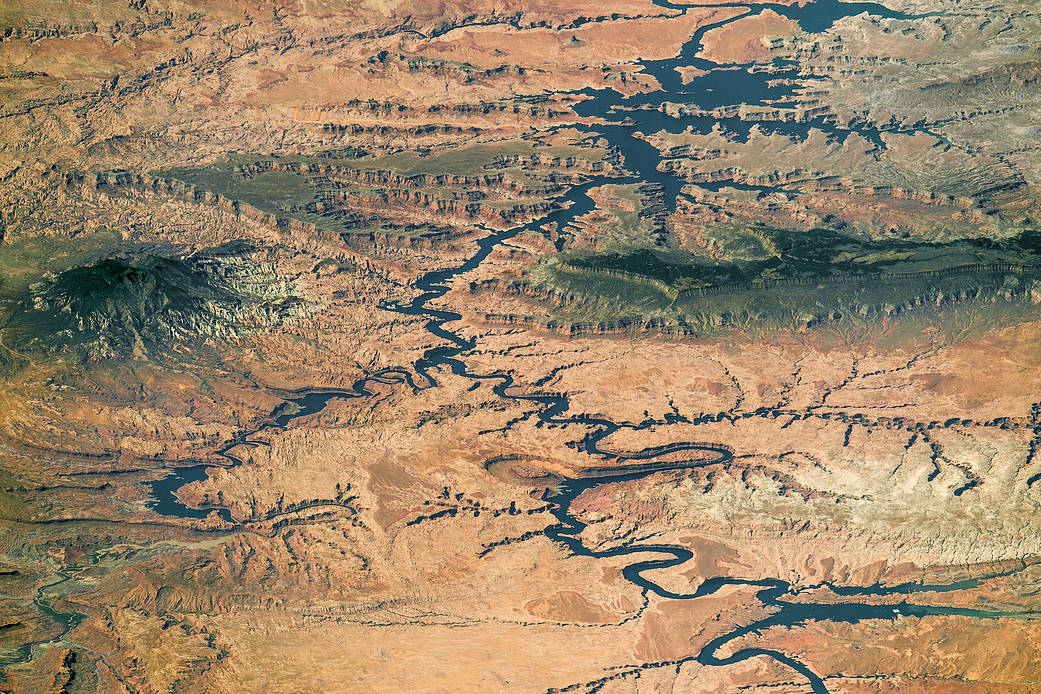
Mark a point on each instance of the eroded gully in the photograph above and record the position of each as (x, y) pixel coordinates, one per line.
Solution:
(619, 119)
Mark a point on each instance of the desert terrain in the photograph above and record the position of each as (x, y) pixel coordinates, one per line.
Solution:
(508, 346)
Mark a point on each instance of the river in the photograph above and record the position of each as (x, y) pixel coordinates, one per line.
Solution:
(619, 119)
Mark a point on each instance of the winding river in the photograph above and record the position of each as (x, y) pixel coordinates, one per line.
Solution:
(619, 119)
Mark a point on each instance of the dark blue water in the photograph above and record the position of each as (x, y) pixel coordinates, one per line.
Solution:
(721, 86)
(165, 501)
(718, 88)
(301, 404)
(814, 18)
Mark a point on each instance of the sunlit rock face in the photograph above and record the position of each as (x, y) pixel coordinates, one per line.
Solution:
(520, 347)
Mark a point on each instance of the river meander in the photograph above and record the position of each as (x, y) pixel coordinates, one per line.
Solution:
(619, 119)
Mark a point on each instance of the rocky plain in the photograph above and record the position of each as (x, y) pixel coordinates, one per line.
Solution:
(520, 346)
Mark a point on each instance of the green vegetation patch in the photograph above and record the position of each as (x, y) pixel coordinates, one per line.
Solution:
(304, 196)
(284, 194)
(783, 278)
(761, 256)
